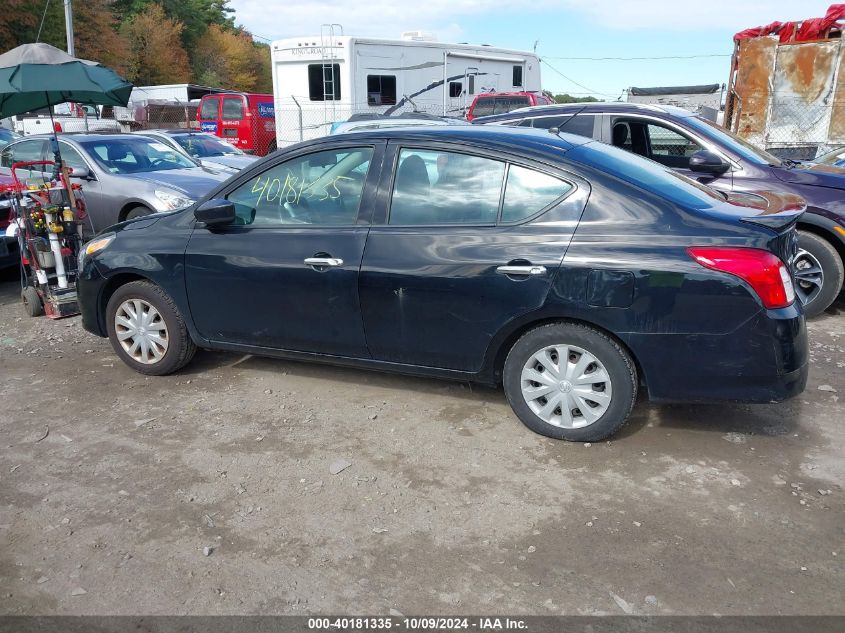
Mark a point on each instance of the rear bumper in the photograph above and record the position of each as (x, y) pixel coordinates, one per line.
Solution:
(764, 360)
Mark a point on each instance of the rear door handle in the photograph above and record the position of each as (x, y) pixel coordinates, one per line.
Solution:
(521, 271)
(323, 261)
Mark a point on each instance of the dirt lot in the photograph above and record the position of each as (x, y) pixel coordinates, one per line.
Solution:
(449, 505)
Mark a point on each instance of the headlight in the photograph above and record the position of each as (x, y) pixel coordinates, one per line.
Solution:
(92, 247)
(172, 201)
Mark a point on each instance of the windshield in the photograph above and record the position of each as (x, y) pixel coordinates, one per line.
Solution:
(135, 155)
(205, 145)
(835, 158)
(740, 147)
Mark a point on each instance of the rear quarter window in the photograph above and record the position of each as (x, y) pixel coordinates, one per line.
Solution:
(528, 192)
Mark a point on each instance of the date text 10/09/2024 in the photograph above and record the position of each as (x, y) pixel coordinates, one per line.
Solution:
(416, 623)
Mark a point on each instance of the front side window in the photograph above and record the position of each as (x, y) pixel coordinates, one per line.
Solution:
(381, 90)
(323, 188)
(669, 147)
(71, 157)
(233, 109)
(135, 155)
(324, 82)
(208, 111)
(528, 192)
(438, 187)
(517, 76)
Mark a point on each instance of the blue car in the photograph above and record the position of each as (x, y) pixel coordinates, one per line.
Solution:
(572, 273)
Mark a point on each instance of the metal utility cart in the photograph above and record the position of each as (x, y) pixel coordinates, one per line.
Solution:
(47, 213)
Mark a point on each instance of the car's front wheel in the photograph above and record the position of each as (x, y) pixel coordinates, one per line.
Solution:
(818, 273)
(569, 381)
(146, 329)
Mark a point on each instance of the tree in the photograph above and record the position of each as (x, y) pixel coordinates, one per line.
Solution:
(156, 55)
(568, 98)
(230, 59)
(96, 37)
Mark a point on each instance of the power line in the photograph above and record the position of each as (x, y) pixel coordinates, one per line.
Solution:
(628, 59)
(580, 85)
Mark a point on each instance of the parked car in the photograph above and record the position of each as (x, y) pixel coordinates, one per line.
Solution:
(7, 136)
(246, 120)
(501, 102)
(569, 271)
(122, 175)
(204, 148)
(361, 122)
(67, 117)
(704, 150)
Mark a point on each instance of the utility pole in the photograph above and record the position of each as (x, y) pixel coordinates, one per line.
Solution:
(69, 27)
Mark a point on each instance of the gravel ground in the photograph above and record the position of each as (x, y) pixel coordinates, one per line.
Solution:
(247, 485)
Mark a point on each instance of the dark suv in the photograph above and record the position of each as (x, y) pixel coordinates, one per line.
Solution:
(712, 155)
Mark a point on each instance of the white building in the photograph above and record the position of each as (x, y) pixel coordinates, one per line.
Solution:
(320, 80)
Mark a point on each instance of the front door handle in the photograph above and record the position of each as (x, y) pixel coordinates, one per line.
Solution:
(323, 261)
(522, 271)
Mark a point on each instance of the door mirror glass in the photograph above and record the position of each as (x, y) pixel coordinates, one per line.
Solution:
(83, 173)
(708, 162)
(215, 212)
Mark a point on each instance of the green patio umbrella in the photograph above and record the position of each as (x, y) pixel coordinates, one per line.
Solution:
(34, 76)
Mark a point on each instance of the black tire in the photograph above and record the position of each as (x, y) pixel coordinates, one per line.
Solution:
(817, 299)
(271, 148)
(137, 212)
(32, 302)
(180, 347)
(617, 363)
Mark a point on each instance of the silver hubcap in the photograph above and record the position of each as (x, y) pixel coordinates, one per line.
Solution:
(566, 386)
(809, 276)
(141, 331)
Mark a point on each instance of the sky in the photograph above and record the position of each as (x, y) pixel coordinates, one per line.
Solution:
(565, 32)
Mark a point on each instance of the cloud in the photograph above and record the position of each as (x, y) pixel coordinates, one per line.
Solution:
(389, 18)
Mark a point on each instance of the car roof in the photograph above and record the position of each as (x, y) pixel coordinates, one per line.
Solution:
(81, 137)
(605, 107)
(517, 139)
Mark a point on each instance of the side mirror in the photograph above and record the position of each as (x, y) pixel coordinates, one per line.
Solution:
(215, 212)
(83, 173)
(708, 162)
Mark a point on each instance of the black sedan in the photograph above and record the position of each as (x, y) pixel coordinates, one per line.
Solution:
(571, 272)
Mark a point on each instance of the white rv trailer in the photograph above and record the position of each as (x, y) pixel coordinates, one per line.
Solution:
(321, 80)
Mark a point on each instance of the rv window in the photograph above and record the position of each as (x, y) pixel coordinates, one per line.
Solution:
(381, 90)
(324, 82)
(517, 76)
(471, 81)
(455, 88)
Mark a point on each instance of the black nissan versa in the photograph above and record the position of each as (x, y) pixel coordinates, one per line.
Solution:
(700, 149)
(569, 271)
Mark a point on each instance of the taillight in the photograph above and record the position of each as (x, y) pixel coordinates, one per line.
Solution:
(762, 270)
(57, 127)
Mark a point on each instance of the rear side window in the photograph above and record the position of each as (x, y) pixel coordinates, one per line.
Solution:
(209, 109)
(506, 104)
(546, 122)
(437, 187)
(483, 107)
(233, 109)
(324, 82)
(581, 124)
(528, 192)
(381, 90)
(24, 151)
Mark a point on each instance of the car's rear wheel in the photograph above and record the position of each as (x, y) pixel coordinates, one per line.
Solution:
(146, 329)
(818, 273)
(571, 382)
